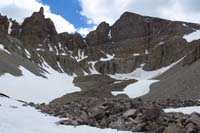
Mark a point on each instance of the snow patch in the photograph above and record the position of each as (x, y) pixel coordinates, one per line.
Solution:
(185, 110)
(140, 74)
(192, 36)
(161, 43)
(137, 89)
(108, 57)
(50, 48)
(92, 69)
(185, 25)
(3, 49)
(32, 88)
(109, 35)
(40, 49)
(146, 51)
(60, 45)
(136, 54)
(9, 27)
(60, 67)
(27, 53)
(81, 55)
(16, 118)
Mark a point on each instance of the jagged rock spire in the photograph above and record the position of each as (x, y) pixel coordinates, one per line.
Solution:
(41, 10)
(4, 24)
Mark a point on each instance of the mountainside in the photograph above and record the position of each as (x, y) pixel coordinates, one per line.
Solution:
(137, 57)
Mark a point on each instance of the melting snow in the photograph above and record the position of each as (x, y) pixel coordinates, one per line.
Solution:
(192, 36)
(16, 118)
(3, 49)
(185, 110)
(32, 88)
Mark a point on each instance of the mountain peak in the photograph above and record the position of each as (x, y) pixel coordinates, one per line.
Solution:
(128, 14)
(39, 14)
(41, 10)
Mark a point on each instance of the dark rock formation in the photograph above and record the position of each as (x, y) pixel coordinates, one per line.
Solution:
(15, 29)
(4, 24)
(72, 41)
(36, 29)
(99, 36)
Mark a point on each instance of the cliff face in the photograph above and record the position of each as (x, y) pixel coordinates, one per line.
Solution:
(131, 41)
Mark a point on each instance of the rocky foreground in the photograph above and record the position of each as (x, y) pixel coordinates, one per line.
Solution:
(126, 114)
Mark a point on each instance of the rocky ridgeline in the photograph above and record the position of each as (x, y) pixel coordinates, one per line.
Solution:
(132, 40)
(126, 114)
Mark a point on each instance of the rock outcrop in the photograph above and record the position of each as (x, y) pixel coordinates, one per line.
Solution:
(36, 29)
(15, 29)
(4, 24)
(99, 36)
(72, 41)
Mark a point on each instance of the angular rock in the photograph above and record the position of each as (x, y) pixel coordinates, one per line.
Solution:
(172, 128)
(195, 118)
(130, 112)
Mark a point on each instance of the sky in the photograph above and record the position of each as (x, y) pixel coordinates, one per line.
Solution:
(84, 15)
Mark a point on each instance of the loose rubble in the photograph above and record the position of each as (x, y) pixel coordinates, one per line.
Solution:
(126, 114)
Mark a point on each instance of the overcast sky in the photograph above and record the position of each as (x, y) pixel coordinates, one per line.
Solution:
(84, 15)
